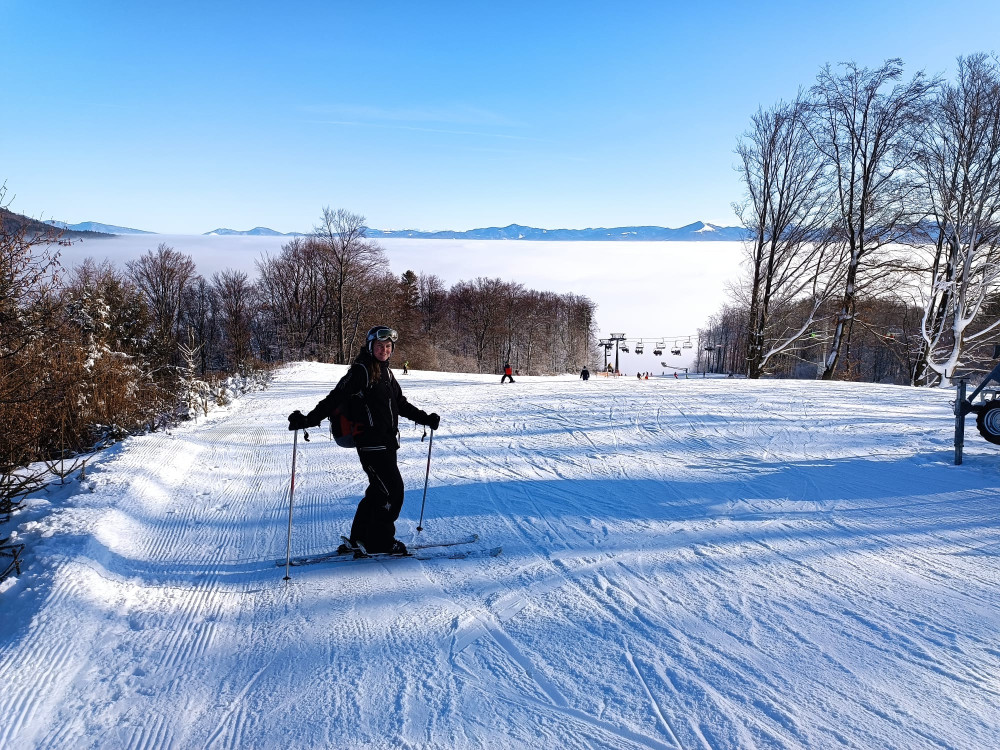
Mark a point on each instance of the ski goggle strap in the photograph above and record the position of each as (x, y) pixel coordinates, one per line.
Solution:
(387, 334)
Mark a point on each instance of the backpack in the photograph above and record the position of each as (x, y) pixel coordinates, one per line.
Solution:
(347, 421)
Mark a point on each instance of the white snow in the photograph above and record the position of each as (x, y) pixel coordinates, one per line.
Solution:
(686, 563)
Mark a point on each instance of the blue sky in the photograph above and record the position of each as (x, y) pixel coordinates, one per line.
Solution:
(182, 117)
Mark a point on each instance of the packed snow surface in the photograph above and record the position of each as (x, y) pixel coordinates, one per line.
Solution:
(686, 563)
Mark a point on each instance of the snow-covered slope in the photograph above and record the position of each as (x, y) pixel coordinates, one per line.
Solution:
(700, 563)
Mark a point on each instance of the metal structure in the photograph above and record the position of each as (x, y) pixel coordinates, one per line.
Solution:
(618, 338)
(620, 343)
(987, 410)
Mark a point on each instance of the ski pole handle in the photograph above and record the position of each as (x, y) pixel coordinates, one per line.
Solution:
(420, 525)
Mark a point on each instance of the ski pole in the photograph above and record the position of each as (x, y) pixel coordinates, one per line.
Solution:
(291, 495)
(420, 526)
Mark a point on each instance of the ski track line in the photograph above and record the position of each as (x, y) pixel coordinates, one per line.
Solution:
(898, 721)
(237, 706)
(51, 652)
(646, 613)
(151, 737)
(480, 626)
(623, 734)
(668, 730)
(511, 605)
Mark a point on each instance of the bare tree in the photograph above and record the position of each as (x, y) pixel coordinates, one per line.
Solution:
(861, 122)
(236, 310)
(162, 278)
(350, 255)
(294, 296)
(786, 211)
(960, 163)
(200, 313)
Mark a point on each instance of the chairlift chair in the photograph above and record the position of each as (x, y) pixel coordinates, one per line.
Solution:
(687, 344)
(709, 348)
(624, 348)
(675, 351)
(638, 347)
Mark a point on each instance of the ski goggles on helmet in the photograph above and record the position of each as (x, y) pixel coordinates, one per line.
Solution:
(384, 334)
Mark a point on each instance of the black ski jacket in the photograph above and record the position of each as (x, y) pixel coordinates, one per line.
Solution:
(378, 409)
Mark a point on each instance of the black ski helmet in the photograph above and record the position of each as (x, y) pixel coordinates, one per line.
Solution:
(380, 333)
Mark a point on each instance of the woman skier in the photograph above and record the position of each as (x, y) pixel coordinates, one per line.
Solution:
(378, 401)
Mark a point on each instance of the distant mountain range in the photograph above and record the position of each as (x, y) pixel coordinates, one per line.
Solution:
(699, 231)
(95, 226)
(255, 232)
(13, 222)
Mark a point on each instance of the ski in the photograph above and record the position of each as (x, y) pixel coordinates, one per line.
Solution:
(470, 539)
(424, 551)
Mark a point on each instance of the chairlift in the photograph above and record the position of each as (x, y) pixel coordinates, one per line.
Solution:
(709, 347)
(687, 344)
(624, 348)
(675, 351)
(608, 347)
(638, 347)
(660, 346)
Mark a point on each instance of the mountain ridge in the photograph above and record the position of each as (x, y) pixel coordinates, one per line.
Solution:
(96, 226)
(698, 231)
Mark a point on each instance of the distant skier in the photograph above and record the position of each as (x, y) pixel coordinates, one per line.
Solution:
(507, 374)
(383, 403)
(406, 367)
(585, 373)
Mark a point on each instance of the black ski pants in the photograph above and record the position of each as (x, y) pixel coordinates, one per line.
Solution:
(375, 520)
(505, 378)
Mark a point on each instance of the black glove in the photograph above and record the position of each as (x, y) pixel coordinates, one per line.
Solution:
(433, 421)
(297, 421)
